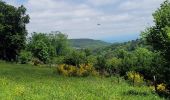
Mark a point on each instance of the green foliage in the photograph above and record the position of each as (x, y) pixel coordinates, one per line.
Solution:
(25, 57)
(76, 58)
(45, 47)
(158, 37)
(113, 65)
(41, 51)
(59, 60)
(60, 42)
(41, 47)
(92, 60)
(13, 32)
(101, 63)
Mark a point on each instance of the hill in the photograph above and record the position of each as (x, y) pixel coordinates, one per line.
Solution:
(88, 43)
(129, 46)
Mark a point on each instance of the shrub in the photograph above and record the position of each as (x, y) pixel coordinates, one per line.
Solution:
(66, 70)
(161, 87)
(25, 57)
(85, 70)
(70, 70)
(75, 58)
(135, 77)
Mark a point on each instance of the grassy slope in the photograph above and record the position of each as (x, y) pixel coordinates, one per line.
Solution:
(33, 83)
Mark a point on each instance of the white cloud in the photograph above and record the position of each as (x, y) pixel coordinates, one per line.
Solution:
(80, 19)
(102, 2)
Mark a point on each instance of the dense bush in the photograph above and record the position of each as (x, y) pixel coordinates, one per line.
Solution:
(70, 70)
(75, 58)
(25, 57)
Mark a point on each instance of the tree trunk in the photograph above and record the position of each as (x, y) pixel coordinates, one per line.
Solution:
(155, 84)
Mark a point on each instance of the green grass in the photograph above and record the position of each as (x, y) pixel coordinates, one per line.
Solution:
(26, 82)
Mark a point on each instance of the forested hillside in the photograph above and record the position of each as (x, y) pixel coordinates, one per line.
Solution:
(88, 43)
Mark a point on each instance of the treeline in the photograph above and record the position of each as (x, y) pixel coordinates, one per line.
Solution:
(146, 58)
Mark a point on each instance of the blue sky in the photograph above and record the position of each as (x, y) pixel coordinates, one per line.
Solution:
(121, 20)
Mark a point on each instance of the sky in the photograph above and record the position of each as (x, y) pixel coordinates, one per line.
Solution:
(108, 20)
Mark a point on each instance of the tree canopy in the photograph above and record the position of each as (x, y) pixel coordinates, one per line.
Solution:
(158, 36)
(13, 31)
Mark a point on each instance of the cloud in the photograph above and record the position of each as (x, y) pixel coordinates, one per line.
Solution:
(80, 19)
(102, 2)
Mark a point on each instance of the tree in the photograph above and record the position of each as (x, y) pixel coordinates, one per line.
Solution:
(13, 31)
(158, 36)
(59, 42)
(40, 46)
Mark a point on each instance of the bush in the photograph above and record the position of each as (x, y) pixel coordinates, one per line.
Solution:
(161, 87)
(85, 70)
(75, 58)
(70, 70)
(66, 70)
(25, 57)
(135, 77)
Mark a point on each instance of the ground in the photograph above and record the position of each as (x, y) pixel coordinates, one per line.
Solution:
(26, 82)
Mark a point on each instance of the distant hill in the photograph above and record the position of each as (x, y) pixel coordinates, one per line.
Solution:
(128, 46)
(88, 43)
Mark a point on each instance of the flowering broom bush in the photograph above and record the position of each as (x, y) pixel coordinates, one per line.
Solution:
(83, 70)
(135, 77)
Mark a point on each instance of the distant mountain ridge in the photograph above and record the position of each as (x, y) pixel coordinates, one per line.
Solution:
(88, 43)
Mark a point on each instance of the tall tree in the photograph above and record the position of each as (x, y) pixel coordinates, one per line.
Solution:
(158, 36)
(13, 31)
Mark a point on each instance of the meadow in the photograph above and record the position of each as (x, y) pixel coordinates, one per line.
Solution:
(27, 82)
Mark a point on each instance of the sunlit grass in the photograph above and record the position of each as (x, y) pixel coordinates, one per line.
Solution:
(19, 82)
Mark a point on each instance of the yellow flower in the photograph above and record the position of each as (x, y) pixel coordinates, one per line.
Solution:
(19, 90)
(161, 87)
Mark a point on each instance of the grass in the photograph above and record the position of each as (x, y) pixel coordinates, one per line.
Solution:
(26, 82)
